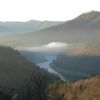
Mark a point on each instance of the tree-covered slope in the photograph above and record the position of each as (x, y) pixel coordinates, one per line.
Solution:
(78, 60)
(20, 78)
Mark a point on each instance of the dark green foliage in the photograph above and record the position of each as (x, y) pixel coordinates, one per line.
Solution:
(19, 76)
(73, 68)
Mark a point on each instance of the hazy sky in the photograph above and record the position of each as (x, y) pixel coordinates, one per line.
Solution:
(23, 10)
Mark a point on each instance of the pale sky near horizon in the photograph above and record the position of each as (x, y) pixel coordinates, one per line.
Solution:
(53, 10)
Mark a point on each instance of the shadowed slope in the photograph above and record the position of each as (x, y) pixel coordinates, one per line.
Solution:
(19, 76)
(78, 60)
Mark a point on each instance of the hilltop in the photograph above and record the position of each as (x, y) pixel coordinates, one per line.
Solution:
(25, 27)
(85, 27)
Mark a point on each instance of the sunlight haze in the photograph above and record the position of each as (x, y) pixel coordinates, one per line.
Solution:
(53, 10)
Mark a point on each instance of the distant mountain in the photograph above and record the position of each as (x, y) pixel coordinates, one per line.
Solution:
(78, 61)
(24, 27)
(85, 27)
(84, 89)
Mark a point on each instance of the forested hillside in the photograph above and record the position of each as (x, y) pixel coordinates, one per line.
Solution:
(20, 79)
(78, 61)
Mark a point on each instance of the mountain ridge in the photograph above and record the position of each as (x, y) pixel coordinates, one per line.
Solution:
(24, 27)
(76, 30)
(71, 31)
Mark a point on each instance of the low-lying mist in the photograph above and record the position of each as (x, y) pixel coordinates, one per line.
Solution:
(53, 48)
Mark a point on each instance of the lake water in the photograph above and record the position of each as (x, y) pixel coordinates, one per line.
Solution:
(46, 65)
(48, 52)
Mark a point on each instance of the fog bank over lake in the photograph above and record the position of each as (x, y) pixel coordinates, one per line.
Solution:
(44, 55)
(53, 47)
